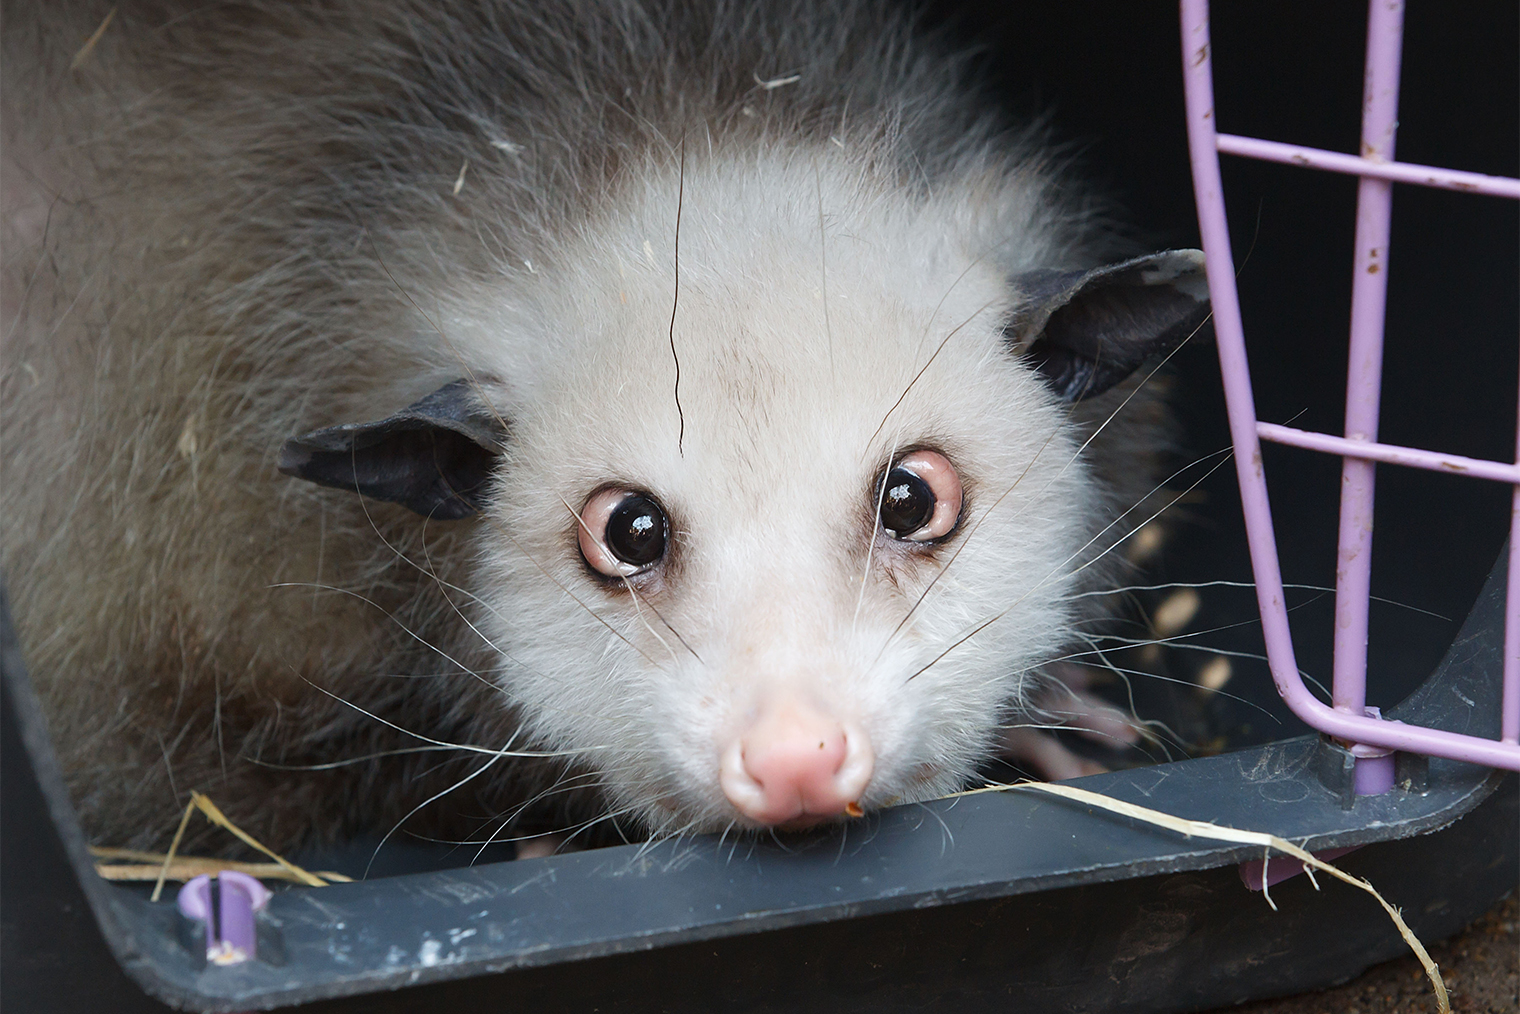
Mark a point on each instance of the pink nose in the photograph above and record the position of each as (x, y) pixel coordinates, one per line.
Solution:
(796, 766)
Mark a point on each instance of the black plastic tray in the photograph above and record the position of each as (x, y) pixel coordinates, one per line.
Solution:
(980, 899)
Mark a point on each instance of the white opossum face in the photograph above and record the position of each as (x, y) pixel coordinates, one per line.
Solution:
(730, 620)
(808, 577)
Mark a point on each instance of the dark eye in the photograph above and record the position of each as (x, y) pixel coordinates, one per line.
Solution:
(921, 497)
(622, 532)
(636, 531)
(907, 504)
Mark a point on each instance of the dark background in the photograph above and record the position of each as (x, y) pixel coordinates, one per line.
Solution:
(1108, 77)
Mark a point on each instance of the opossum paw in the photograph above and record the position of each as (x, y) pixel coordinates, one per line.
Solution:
(540, 846)
(1065, 701)
(1042, 754)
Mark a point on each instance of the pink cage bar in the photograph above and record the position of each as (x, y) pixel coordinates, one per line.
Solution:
(1347, 717)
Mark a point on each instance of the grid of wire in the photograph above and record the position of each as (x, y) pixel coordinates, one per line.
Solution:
(1347, 717)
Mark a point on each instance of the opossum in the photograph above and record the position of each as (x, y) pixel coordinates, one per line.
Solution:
(704, 416)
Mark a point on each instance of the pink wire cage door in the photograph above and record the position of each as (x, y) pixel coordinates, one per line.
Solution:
(1372, 740)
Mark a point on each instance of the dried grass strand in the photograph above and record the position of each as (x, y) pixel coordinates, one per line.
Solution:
(158, 888)
(210, 811)
(1201, 829)
(90, 43)
(148, 865)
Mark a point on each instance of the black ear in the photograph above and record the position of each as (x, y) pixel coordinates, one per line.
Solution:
(434, 456)
(1087, 330)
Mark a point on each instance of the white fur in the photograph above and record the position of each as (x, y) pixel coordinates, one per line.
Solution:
(788, 389)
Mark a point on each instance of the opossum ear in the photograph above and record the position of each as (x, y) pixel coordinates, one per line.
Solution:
(434, 456)
(1087, 330)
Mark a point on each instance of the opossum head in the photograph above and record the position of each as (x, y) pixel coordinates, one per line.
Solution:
(775, 522)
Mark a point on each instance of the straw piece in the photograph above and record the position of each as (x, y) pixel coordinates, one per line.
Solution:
(189, 867)
(89, 44)
(163, 874)
(199, 802)
(135, 855)
(207, 807)
(130, 861)
(1200, 829)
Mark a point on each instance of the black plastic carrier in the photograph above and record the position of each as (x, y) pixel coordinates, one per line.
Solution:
(1011, 901)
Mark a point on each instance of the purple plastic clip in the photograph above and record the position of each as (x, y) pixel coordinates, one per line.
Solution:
(1260, 874)
(1375, 766)
(235, 940)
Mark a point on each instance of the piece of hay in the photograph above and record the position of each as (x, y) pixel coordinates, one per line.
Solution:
(147, 866)
(217, 817)
(1201, 829)
(89, 44)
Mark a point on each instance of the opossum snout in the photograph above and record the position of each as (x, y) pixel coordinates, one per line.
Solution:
(796, 766)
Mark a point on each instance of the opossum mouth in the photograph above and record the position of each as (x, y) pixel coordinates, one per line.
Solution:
(808, 821)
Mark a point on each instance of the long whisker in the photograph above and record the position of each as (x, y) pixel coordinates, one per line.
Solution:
(1093, 436)
(390, 616)
(462, 747)
(569, 833)
(1041, 583)
(956, 644)
(962, 544)
(881, 496)
(661, 617)
(428, 802)
(347, 762)
(1176, 640)
(430, 572)
(445, 587)
(638, 609)
(1120, 408)
(923, 369)
(823, 268)
(637, 599)
(561, 586)
(1226, 453)
(563, 785)
(463, 669)
(1059, 726)
(1108, 664)
(1244, 584)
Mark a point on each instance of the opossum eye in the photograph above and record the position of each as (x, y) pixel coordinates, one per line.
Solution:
(622, 532)
(921, 498)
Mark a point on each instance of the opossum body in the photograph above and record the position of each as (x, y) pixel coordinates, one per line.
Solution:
(725, 389)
